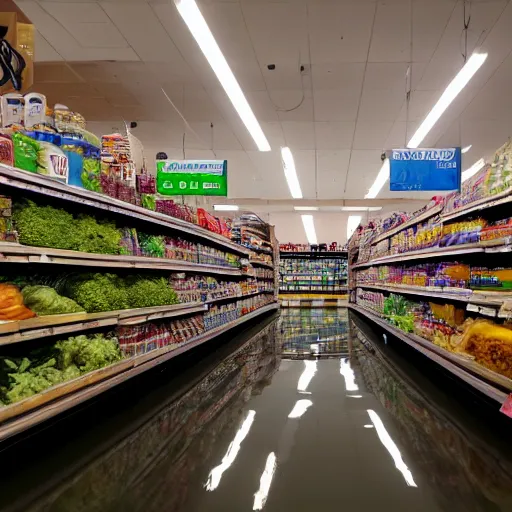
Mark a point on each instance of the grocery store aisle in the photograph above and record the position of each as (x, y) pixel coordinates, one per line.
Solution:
(255, 427)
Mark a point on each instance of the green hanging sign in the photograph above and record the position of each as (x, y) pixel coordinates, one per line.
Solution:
(192, 177)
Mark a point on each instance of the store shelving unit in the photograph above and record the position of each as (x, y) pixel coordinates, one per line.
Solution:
(28, 412)
(476, 302)
(312, 275)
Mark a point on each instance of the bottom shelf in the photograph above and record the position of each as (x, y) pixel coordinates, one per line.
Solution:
(38, 408)
(469, 371)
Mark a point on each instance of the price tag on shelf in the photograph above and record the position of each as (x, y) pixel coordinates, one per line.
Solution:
(506, 407)
(481, 309)
(506, 309)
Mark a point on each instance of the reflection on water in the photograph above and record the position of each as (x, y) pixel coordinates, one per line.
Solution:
(364, 430)
(464, 470)
(314, 332)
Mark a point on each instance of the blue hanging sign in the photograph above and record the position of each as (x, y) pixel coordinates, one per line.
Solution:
(425, 169)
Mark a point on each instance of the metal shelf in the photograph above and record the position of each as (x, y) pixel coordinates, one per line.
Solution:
(463, 367)
(24, 180)
(31, 411)
(15, 253)
(51, 325)
(425, 254)
(411, 222)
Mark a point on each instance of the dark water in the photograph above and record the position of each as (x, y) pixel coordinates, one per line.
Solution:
(253, 427)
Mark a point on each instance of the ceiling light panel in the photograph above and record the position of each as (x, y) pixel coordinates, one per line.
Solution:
(305, 208)
(225, 207)
(290, 173)
(309, 228)
(380, 180)
(468, 173)
(450, 93)
(197, 25)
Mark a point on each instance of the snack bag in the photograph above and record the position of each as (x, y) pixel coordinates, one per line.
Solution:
(26, 152)
(53, 162)
(6, 150)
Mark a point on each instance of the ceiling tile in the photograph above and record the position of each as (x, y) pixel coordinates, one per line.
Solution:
(372, 134)
(299, 134)
(334, 135)
(334, 105)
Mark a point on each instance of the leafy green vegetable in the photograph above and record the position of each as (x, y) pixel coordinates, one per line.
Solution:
(152, 245)
(145, 293)
(61, 362)
(109, 292)
(44, 300)
(45, 226)
(99, 292)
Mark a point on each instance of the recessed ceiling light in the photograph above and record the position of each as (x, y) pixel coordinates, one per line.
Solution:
(225, 207)
(309, 228)
(466, 149)
(381, 178)
(352, 223)
(305, 208)
(468, 173)
(290, 173)
(206, 42)
(450, 93)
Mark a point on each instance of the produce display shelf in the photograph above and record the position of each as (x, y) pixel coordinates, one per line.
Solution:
(482, 204)
(411, 222)
(463, 367)
(495, 299)
(261, 264)
(24, 180)
(33, 410)
(425, 254)
(51, 325)
(15, 253)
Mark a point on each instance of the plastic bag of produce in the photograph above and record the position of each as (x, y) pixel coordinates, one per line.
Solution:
(11, 304)
(44, 300)
(490, 344)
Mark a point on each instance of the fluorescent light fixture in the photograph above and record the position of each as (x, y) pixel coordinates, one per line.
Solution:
(290, 173)
(225, 207)
(305, 208)
(260, 497)
(468, 173)
(306, 375)
(450, 93)
(206, 42)
(361, 208)
(381, 178)
(352, 223)
(300, 407)
(355, 396)
(216, 473)
(466, 149)
(391, 447)
(348, 374)
(368, 426)
(309, 228)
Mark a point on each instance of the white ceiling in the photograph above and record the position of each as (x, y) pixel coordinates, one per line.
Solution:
(351, 94)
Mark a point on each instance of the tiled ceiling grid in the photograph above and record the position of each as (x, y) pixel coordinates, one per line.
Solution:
(110, 61)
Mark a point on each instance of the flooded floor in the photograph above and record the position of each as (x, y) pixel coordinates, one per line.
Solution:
(309, 411)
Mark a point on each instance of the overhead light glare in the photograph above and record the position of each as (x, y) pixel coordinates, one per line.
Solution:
(305, 208)
(260, 497)
(352, 223)
(306, 375)
(309, 228)
(381, 178)
(225, 207)
(450, 93)
(300, 407)
(290, 173)
(468, 173)
(216, 473)
(466, 149)
(391, 447)
(206, 42)
(348, 375)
